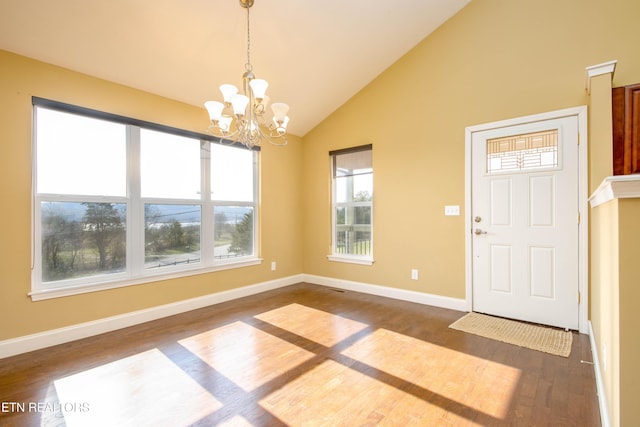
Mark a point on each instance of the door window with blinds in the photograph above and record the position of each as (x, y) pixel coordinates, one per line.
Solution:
(352, 205)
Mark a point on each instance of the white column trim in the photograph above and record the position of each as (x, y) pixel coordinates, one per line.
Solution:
(598, 70)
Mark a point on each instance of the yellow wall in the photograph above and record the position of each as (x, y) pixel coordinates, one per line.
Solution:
(615, 275)
(22, 78)
(629, 294)
(605, 300)
(494, 60)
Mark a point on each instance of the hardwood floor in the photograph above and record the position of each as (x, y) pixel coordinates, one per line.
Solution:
(304, 355)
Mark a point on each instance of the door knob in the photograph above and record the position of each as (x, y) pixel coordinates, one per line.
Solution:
(478, 232)
(477, 219)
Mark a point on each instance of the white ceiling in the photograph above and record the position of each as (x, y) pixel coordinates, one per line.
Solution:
(315, 54)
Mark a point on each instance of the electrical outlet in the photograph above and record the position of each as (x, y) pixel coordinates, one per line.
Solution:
(414, 274)
(273, 266)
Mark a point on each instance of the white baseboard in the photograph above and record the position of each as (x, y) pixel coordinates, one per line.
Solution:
(384, 291)
(602, 397)
(24, 344)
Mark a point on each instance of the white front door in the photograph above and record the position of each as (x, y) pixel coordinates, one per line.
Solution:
(524, 196)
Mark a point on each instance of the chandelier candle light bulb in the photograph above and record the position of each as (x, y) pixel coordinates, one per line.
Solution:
(228, 92)
(280, 117)
(259, 87)
(248, 109)
(239, 103)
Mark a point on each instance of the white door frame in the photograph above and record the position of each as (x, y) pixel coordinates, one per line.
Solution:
(583, 202)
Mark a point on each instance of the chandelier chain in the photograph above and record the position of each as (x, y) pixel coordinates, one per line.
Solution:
(248, 65)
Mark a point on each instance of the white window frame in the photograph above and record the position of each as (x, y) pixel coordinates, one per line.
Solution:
(135, 271)
(335, 255)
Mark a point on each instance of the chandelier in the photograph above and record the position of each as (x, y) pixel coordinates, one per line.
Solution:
(241, 116)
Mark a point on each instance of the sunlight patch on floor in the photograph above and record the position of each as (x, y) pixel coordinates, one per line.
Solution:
(477, 383)
(247, 356)
(144, 389)
(237, 421)
(333, 394)
(363, 386)
(315, 325)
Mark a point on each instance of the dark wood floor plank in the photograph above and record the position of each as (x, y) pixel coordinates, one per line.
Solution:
(299, 355)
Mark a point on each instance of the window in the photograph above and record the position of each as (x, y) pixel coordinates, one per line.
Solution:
(533, 151)
(81, 196)
(120, 201)
(170, 191)
(233, 193)
(352, 205)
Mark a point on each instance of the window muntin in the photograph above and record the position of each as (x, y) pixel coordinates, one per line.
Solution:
(352, 202)
(90, 232)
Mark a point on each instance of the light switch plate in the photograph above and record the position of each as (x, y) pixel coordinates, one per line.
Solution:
(452, 210)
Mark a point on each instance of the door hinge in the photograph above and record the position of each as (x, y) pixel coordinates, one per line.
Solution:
(578, 298)
(578, 217)
(578, 138)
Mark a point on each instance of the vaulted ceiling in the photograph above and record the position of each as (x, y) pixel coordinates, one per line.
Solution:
(315, 54)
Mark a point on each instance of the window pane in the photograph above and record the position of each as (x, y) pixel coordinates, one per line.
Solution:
(231, 173)
(233, 229)
(169, 166)
(353, 239)
(82, 239)
(515, 153)
(79, 155)
(171, 234)
(355, 163)
(341, 215)
(362, 215)
(357, 188)
(353, 215)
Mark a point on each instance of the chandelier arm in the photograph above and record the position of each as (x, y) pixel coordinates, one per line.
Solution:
(275, 138)
(223, 136)
(243, 136)
(270, 137)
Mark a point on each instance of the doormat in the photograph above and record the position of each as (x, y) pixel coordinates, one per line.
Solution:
(535, 337)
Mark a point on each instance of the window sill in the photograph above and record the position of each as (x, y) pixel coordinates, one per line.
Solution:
(44, 294)
(351, 259)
